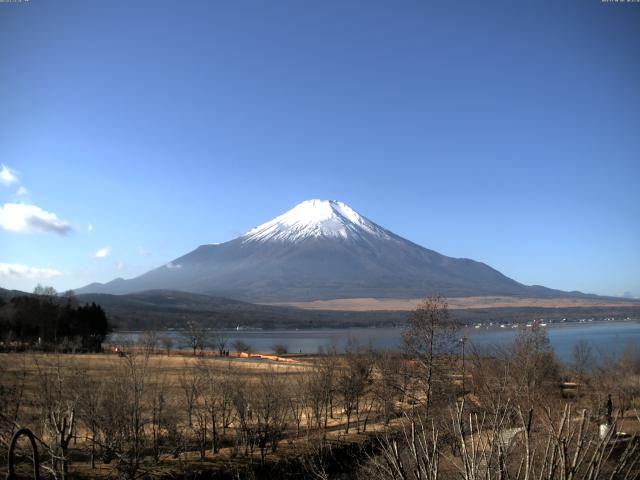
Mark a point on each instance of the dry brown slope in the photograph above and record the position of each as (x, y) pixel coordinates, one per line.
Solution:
(403, 304)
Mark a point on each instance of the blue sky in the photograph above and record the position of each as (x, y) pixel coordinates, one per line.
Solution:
(506, 132)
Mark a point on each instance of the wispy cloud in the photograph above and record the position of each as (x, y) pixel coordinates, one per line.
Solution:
(120, 265)
(17, 270)
(7, 176)
(22, 192)
(89, 228)
(172, 265)
(143, 252)
(24, 218)
(102, 253)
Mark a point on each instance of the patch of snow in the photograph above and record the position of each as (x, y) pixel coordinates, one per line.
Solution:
(316, 218)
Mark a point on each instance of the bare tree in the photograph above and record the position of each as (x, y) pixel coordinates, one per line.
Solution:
(619, 376)
(12, 399)
(219, 340)
(167, 343)
(189, 385)
(353, 379)
(90, 401)
(211, 398)
(582, 358)
(269, 410)
(320, 388)
(123, 415)
(58, 403)
(45, 291)
(148, 341)
(629, 390)
(430, 339)
(226, 381)
(158, 411)
(391, 383)
(491, 377)
(296, 398)
(537, 371)
(555, 446)
(367, 401)
(240, 393)
(202, 414)
(195, 336)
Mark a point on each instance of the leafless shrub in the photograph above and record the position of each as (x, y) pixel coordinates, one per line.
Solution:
(148, 341)
(57, 404)
(12, 397)
(280, 349)
(122, 415)
(563, 447)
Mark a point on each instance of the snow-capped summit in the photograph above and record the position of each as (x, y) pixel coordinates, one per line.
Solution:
(313, 219)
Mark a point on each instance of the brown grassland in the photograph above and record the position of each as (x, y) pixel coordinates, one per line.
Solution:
(426, 413)
(457, 303)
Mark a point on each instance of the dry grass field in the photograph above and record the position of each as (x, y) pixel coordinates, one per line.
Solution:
(457, 303)
(146, 414)
(56, 384)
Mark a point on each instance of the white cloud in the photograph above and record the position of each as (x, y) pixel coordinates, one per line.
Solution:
(120, 265)
(24, 218)
(7, 176)
(173, 265)
(17, 270)
(102, 253)
(143, 252)
(22, 191)
(89, 228)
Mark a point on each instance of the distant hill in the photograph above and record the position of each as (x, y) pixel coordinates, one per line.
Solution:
(172, 309)
(166, 308)
(6, 295)
(322, 250)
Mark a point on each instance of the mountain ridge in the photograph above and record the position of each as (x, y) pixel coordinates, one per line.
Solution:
(321, 250)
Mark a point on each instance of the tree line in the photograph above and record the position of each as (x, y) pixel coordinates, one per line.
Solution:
(47, 321)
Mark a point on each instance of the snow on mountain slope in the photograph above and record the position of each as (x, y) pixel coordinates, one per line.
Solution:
(313, 219)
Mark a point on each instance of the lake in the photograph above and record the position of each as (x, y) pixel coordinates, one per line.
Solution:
(605, 338)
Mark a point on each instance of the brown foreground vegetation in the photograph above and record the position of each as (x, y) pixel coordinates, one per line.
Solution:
(434, 411)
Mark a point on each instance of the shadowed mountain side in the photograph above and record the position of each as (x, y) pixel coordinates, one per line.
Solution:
(163, 309)
(322, 250)
(319, 269)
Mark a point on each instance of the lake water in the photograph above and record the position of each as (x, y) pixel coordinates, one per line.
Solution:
(605, 338)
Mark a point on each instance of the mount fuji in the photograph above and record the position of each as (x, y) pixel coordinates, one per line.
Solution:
(322, 250)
